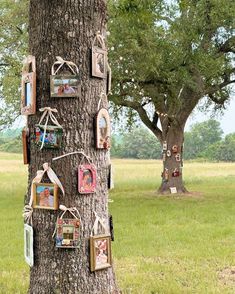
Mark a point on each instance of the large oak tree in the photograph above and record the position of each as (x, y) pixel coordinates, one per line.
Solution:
(166, 57)
(67, 29)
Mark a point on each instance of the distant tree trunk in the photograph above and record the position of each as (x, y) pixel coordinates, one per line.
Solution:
(172, 169)
(67, 29)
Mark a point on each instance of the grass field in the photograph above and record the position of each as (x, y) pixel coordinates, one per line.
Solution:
(169, 245)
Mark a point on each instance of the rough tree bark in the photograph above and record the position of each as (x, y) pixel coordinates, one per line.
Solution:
(66, 29)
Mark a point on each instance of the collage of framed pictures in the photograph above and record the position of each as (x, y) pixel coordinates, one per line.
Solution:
(100, 252)
(45, 196)
(67, 233)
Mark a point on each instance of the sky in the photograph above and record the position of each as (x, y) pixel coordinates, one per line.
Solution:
(227, 119)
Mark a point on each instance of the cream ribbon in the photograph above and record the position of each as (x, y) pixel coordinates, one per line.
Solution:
(28, 209)
(102, 95)
(48, 114)
(62, 62)
(73, 211)
(99, 38)
(99, 221)
(110, 78)
(75, 152)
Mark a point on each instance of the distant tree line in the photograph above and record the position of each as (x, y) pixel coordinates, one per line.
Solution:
(204, 140)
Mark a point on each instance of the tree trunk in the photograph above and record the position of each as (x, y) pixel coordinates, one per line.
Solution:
(172, 176)
(66, 29)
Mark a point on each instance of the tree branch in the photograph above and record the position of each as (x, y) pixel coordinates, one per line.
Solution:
(228, 46)
(143, 116)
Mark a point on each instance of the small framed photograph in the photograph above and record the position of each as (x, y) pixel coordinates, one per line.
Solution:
(53, 137)
(164, 146)
(28, 93)
(103, 129)
(65, 86)
(25, 144)
(67, 233)
(173, 190)
(28, 244)
(86, 178)
(45, 196)
(98, 62)
(100, 252)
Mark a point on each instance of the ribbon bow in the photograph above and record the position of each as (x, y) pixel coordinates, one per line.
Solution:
(48, 114)
(62, 62)
(103, 224)
(28, 210)
(71, 210)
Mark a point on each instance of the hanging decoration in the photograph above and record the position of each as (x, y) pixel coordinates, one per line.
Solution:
(48, 136)
(65, 85)
(109, 79)
(25, 145)
(100, 245)
(110, 177)
(163, 156)
(168, 153)
(164, 146)
(45, 196)
(111, 228)
(175, 173)
(175, 148)
(165, 175)
(102, 126)
(35, 201)
(68, 229)
(98, 57)
(28, 244)
(86, 178)
(28, 85)
(178, 157)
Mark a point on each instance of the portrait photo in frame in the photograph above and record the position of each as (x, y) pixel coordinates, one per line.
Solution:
(103, 129)
(28, 244)
(100, 252)
(45, 196)
(28, 87)
(65, 86)
(87, 178)
(53, 136)
(98, 57)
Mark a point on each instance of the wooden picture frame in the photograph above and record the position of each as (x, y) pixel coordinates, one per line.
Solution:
(98, 62)
(100, 252)
(173, 190)
(45, 196)
(110, 177)
(65, 86)
(28, 87)
(28, 245)
(103, 129)
(175, 149)
(87, 178)
(67, 233)
(53, 137)
(25, 146)
(164, 146)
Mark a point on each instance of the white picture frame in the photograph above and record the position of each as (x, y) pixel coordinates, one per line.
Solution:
(28, 245)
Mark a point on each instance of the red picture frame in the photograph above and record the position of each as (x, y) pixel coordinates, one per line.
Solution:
(87, 178)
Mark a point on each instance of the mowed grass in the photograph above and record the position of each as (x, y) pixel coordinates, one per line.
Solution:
(169, 244)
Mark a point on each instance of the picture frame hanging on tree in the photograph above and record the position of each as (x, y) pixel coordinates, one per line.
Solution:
(65, 84)
(53, 136)
(110, 177)
(25, 146)
(67, 233)
(45, 196)
(175, 148)
(100, 252)
(28, 86)
(87, 178)
(173, 190)
(98, 57)
(103, 129)
(28, 245)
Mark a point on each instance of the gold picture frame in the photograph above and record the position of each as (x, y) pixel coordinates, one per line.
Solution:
(45, 196)
(100, 252)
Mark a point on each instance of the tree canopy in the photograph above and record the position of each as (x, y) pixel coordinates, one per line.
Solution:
(167, 55)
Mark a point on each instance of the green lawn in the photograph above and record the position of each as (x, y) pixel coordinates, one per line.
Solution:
(162, 244)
